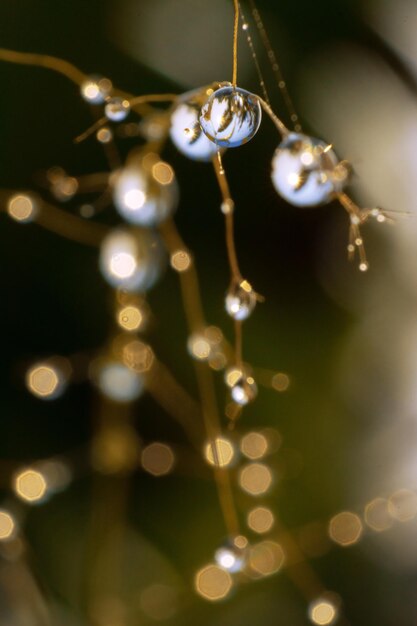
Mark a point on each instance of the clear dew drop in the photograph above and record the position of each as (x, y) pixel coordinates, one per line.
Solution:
(231, 116)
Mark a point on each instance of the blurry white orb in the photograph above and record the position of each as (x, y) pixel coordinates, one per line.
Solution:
(240, 301)
(145, 196)
(306, 171)
(117, 109)
(120, 383)
(96, 89)
(132, 260)
(231, 116)
(230, 557)
(186, 132)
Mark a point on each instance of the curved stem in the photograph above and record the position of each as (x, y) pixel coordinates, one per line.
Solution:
(228, 209)
(44, 60)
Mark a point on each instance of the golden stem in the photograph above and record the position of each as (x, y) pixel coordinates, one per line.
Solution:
(43, 60)
(195, 320)
(254, 57)
(228, 205)
(235, 37)
(282, 85)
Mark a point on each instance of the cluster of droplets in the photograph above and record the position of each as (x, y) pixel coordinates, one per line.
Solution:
(306, 172)
(97, 90)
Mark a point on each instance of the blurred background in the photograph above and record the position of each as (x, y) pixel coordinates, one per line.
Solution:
(343, 422)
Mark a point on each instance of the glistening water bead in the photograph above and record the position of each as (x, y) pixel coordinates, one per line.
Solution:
(231, 116)
(240, 301)
(307, 172)
(186, 132)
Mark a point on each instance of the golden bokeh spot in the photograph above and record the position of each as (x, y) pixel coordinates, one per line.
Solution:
(158, 459)
(42, 380)
(163, 173)
(322, 612)
(402, 505)
(21, 208)
(241, 542)
(181, 261)
(266, 558)
(30, 485)
(345, 528)
(377, 515)
(199, 347)
(104, 135)
(213, 582)
(260, 520)
(130, 318)
(7, 526)
(159, 602)
(280, 382)
(232, 376)
(138, 356)
(217, 361)
(254, 445)
(255, 478)
(219, 452)
(213, 334)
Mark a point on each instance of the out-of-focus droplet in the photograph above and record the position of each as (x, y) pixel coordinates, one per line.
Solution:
(260, 520)
(117, 109)
(145, 192)
(219, 452)
(47, 380)
(132, 260)
(231, 557)
(120, 383)
(243, 387)
(240, 301)
(186, 132)
(266, 558)
(255, 478)
(22, 208)
(96, 89)
(30, 485)
(254, 445)
(306, 171)
(158, 459)
(213, 582)
(322, 611)
(345, 528)
(7, 525)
